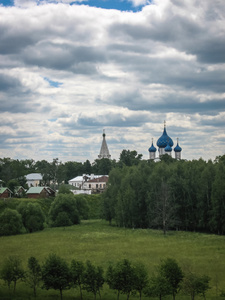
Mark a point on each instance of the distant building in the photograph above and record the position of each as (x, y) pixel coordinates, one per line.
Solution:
(34, 179)
(104, 151)
(88, 184)
(5, 192)
(165, 144)
(19, 191)
(40, 192)
(96, 185)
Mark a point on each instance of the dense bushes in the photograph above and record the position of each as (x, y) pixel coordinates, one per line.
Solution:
(123, 277)
(30, 215)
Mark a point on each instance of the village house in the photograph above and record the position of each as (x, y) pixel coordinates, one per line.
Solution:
(40, 192)
(5, 192)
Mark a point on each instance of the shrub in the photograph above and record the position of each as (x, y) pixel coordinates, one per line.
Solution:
(10, 222)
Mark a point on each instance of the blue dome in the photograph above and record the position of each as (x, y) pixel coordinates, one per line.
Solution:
(168, 148)
(164, 140)
(177, 148)
(152, 148)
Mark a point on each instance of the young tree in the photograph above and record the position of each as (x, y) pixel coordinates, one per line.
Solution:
(77, 272)
(158, 287)
(12, 271)
(194, 285)
(10, 222)
(121, 277)
(56, 274)
(171, 271)
(141, 278)
(33, 275)
(93, 279)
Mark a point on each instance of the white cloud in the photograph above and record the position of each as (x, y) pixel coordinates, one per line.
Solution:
(122, 71)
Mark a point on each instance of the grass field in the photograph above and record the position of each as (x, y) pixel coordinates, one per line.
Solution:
(100, 243)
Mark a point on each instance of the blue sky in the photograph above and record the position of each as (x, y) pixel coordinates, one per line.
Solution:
(68, 71)
(122, 5)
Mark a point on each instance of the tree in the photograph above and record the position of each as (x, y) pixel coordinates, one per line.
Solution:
(56, 274)
(32, 216)
(194, 285)
(129, 158)
(171, 271)
(77, 272)
(158, 287)
(121, 277)
(12, 271)
(10, 222)
(93, 279)
(12, 184)
(141, 278)
(64, 189)
(33, 275)
(64, 206)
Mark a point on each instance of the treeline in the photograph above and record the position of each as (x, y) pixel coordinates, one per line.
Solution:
(170, 194)
(123, 277)
(21, 216)
(57, 172)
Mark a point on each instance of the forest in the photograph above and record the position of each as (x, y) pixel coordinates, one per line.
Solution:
(168, 194)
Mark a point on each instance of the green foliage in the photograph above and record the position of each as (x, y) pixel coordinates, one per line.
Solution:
(12, 184)
(12, 271)
(64, 189)
(32, 216)
(122, 277)
(158, 287)
(170, 194)
(56, 274)
(77, 269)
(64, 207)
(93, 279)
(33, 275)
(10, 222)
(141, 278)
(129, 158)
(194, 285)
(171, 271)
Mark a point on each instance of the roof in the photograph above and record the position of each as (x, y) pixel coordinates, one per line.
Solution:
(164, 140)
(3, 189)
(82, 178)
(104, 151)
(152, 148)
(34, 176)
(103, 178)
(177, 148)
(17, 188)
(35, 189)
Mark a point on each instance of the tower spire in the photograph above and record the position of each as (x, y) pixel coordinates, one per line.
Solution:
(104, 152)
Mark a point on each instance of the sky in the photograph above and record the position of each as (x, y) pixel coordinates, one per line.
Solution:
(71, 69)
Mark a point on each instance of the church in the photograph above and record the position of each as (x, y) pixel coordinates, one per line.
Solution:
(165, 144)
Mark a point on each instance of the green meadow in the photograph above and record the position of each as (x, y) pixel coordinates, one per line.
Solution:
(100, 243)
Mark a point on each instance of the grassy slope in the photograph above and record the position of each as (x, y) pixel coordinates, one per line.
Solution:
(100, 243)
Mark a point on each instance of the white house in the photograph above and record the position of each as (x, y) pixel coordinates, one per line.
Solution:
(96, 185)
(33, 179)
(80, 180)
(88, 184)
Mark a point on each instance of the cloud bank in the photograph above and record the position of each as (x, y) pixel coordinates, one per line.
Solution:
(68, 71)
